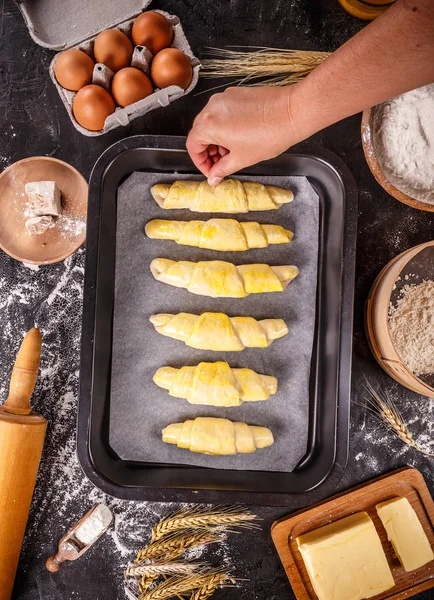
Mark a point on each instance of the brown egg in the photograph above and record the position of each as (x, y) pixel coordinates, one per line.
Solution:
(171, 67)
(130, 85)
(92, 105)
(113, 48)
(152, 30)
(73, 69)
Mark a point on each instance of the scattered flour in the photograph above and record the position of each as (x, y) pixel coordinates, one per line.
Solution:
(63, 493)
(69, 227)
(404, 142)
(60, 285)
(375, 446)
(31, 267)
(52, 299)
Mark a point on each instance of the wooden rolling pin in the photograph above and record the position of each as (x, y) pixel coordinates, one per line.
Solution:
(22, 435)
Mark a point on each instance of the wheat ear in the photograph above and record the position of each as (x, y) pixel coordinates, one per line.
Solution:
(136, 586)
(156, 569)
(172, 547)
(175, 586)
(203, 518)
(273, 66)
(384, 408)
(207, 590)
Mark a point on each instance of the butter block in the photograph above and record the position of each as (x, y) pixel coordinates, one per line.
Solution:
(38, 225)
(345, 560)
(44, 198)
(405, 533)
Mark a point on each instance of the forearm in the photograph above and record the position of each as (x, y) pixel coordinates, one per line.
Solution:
(243, 126)
(392, 55)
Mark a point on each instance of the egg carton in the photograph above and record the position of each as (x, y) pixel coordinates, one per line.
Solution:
(62, 23)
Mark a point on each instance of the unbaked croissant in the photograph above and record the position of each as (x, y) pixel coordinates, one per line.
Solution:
(217, 278)
(218, 332)
(226, 235)
(217, 437)
(229, 196)
(216, 384)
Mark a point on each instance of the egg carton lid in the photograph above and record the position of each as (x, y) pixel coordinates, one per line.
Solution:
(59, 25)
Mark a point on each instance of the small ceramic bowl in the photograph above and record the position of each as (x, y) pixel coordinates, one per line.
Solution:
(368, 120)
(69, 231)
(377, 323)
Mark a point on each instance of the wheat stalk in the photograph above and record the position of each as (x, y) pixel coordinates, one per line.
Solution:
(202, 518)
(140, 579)
(273, 66)
(145, 582)
(171, 537)
(172, 547)
(167, 549)
(136, 587)
(167, 568)
(175, 586)
(383, 407)
(207, 590)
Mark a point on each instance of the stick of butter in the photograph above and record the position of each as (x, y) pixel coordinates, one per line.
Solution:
(44, 198)
(345, 560)
(38, 225)
(405, 533)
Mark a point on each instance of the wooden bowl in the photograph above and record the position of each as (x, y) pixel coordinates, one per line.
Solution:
(377, 324)
(69, 232)
(368, 119)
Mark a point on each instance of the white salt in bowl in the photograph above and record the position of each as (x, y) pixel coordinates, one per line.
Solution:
(377, 323)
(368, 120)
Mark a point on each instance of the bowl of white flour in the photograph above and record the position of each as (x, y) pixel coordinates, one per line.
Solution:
(399, 319)
(398, 141)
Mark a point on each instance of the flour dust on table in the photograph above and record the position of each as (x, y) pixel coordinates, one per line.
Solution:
(51, 298)
(374, 445)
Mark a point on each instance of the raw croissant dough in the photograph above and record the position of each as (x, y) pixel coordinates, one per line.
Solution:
(229, 196)
(217, 437)
(217, 278)
(216, 384)
(226, 235)
(218, 332)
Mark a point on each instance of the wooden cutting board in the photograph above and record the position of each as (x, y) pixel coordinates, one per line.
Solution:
(406, 482)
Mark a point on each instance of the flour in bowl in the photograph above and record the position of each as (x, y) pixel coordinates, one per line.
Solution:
(404, 142)
(411, 325)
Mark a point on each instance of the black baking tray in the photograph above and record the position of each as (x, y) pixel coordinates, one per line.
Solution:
(322, 467)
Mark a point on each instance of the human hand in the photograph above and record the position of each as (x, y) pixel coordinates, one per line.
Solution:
(242, 126)
(239, 128)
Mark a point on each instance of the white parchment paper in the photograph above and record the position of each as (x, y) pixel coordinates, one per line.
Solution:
(139, 409)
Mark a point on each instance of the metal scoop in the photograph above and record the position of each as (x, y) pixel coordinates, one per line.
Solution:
(81, 536)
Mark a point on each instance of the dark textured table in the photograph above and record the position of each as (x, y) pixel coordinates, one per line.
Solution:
(33, 121)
